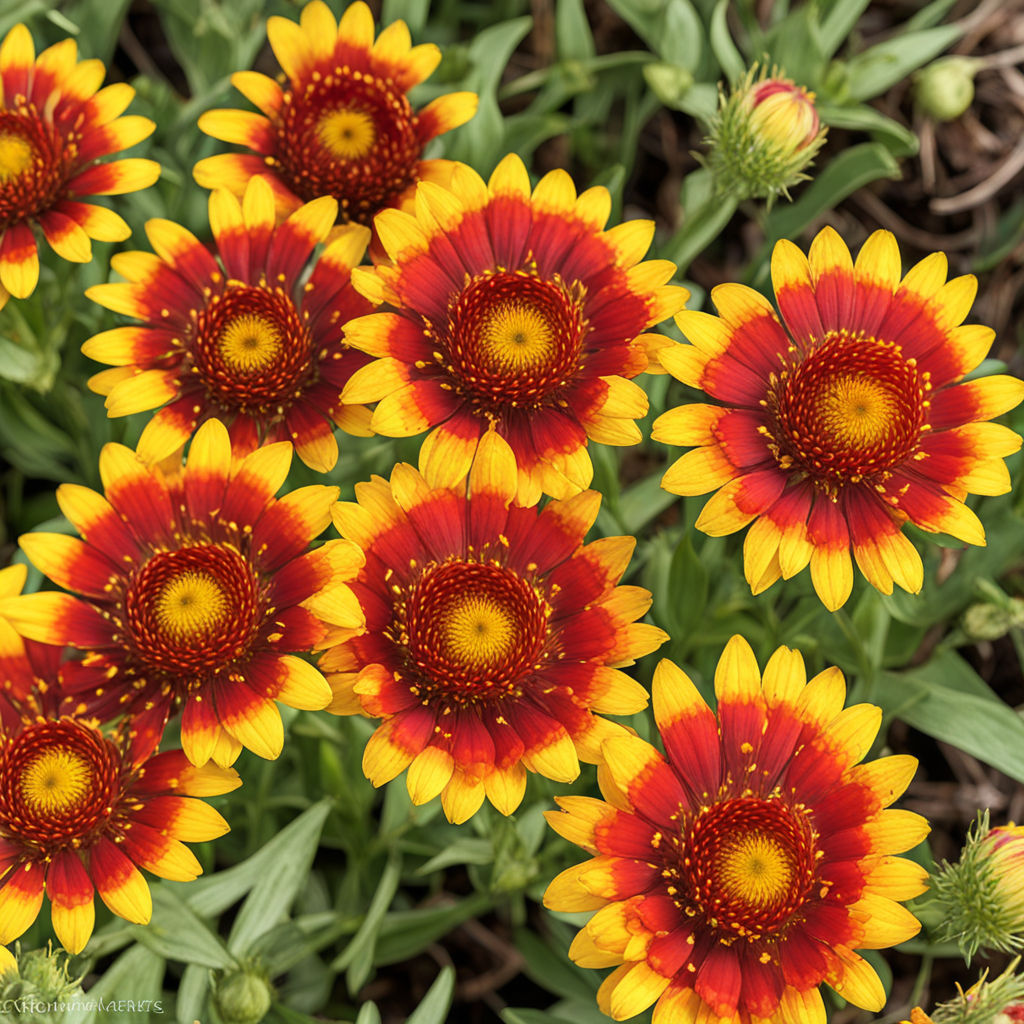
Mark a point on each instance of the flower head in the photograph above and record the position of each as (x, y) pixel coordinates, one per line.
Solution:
(492, 635)
(242, 336)
(765, 134)
(342, 125)
(843, 421)
(982, 895)
(197, 590)
(79, 815)
(54, 126)
(28, 670)
(514, 310)
(735, 875)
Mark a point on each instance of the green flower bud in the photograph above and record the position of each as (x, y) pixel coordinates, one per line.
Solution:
(990, 621)
(945, 89)
(669, 82)
(764, 136)
(242, 997)
(982, 896)
(985, 1002)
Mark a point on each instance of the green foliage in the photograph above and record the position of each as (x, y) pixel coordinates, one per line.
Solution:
(324, 886)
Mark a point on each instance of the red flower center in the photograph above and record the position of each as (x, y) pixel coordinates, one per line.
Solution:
(512, 340)
(350, 135)
(472, 631)
(853, 408)
(59, 784)
(253, 350)
(32, 166)
(746, 865)
(194, 610)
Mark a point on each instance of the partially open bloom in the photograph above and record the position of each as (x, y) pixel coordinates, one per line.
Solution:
(198, 590)
(342, 125)
(514, 310)
(982, 895)
(54, 126)
(843, 421)
(493, 634)
(735, 875)
(765, 134)
(245, 337)
(79, 814)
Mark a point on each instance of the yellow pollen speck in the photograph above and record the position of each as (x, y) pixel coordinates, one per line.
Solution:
(191, 604)
(249, 343)
(347, 134)
(55, 780)
(16, 155)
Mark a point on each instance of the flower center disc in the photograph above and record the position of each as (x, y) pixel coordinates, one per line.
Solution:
(350, 135)
(852, 409)
(474, 631)
(252, 350)
(16, 156)
(58, 783)
(748, 865)
(32, 165)
(514, 339)
(193, 610)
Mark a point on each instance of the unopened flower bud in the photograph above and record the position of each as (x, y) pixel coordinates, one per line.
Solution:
(945, 89)
(982, 896)
(243, 997)
(985, 1002)
(764, 137)
(989, 621)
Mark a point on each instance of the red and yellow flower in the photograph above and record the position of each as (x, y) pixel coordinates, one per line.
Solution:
(493, 634)
(54, 126)
(28, 670)
(512, 309)
(198, 591)
(735, 875)
(243, 335)
(842, 421)
(342, 125)
(80, 815)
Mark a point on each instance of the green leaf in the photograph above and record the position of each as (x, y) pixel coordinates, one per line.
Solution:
(573, 38)
(177, 933)
(643, 501)
(406, 933)
(434, 1007)
(948, 701)
(213, 894)
(368, 1014)
(480, 142)
(898, 140)
(850, 170)
(874, 71)
(514, 1016)
(192, 989)
(731, 60)
(462, 851)
(412, 12)
(279, 882)
(680, 35)
(357, 956)
(553, 969)
(840, 21)
(136, 975)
